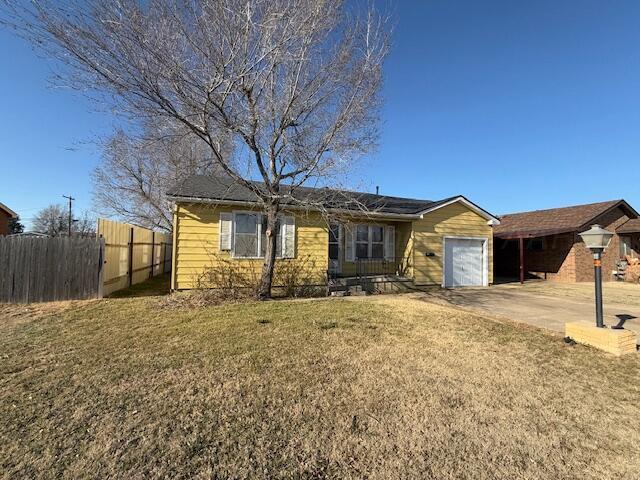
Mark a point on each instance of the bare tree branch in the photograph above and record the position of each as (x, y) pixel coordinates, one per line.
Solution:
(135, 173)
(54, 221)
(293, 86)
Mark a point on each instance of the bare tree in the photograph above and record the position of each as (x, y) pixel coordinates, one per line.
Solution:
(50, 220)
(84, 225)
(136, 171)
(294, 84)
(54, 220)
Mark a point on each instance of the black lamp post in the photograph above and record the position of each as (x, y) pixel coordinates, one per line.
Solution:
(597, 239)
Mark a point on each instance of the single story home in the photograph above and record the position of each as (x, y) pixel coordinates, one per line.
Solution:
(6, 214)
(546, 244)
(218, 224)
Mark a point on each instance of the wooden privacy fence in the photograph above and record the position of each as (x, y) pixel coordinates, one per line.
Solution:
(132, 254)
(42, 269)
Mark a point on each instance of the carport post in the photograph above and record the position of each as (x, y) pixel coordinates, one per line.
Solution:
(521, 243)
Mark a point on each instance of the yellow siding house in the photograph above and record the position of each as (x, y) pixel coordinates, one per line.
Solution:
(218, 234)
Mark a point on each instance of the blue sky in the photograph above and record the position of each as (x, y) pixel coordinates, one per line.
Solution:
(516, 105)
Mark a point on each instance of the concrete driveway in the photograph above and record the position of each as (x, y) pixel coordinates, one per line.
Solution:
(545, 311)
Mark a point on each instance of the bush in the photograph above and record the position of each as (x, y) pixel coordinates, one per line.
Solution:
(201, 299)
(632, 274)
(239, 280)
(235, 279)
(295, 278)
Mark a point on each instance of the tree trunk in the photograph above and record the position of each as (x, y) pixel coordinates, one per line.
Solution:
(266, 280)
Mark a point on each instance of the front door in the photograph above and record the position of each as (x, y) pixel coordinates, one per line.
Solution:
(335, 235)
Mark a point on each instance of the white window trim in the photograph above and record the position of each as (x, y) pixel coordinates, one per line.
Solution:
(485, 257)
(233, 235)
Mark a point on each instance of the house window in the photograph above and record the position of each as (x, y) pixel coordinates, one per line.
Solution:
(369, 241)
(334, 241)
(362, 241)
(377, 241)
(247, 242)
(250, 235)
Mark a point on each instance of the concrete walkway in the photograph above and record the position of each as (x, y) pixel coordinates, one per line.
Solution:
(535, 309)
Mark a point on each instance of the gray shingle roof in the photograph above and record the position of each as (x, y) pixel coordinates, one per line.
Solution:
(204, 187)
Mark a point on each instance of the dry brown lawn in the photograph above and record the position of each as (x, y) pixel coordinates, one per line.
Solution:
(622, 293)
(384, 387)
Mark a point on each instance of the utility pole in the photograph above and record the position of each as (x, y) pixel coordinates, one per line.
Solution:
(71, 199)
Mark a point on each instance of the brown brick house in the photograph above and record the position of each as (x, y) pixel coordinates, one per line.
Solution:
(545, 243)
(6, 214)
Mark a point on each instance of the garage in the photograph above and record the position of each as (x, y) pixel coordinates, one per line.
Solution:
(465, 262)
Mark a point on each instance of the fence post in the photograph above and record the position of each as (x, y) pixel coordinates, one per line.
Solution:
(131, 257)
(153, 252)
(164, 257)
(101, 261)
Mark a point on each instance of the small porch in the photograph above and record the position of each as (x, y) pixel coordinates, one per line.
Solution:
(368, 253)
(385, 275)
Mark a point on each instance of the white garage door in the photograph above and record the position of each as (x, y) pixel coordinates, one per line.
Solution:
(463, 262)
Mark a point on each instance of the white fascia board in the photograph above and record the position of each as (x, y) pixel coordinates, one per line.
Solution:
(491, 220)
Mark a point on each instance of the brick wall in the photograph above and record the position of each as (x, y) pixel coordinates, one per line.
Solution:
(556, 261)
(584, 257)
(4, 223)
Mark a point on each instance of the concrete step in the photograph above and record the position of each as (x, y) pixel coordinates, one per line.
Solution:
(338, 288)
(351, 290)
(357, 292)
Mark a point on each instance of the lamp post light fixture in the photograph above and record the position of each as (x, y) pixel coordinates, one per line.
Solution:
(597, 239)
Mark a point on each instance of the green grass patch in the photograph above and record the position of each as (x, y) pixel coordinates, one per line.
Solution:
(158, 285)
